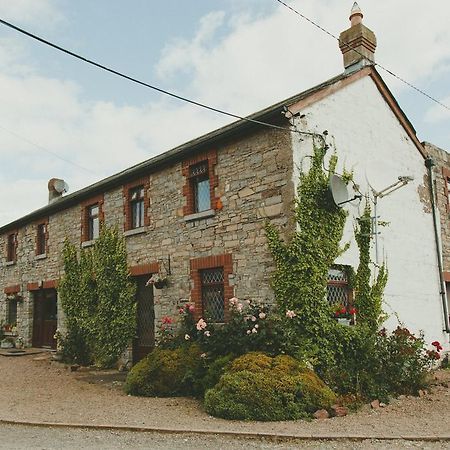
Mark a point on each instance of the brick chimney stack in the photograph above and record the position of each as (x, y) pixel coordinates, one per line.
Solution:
(358, 43)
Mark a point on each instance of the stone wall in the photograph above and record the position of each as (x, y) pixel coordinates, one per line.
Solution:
(254, 183)
(441, 173)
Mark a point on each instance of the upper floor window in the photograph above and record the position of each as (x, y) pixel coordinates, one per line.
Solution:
(200, 183)
(41, 238)
(200, 186)
(137, 210)
(93, 221)
(448, 192)
(11, 247)
(446, 177)
(136, 204)
(91, 218)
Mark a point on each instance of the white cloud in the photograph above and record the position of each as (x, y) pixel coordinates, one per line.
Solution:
(240, 63)
(437, 113)
(38, 12)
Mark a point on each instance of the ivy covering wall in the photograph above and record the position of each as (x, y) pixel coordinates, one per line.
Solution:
(97, 296)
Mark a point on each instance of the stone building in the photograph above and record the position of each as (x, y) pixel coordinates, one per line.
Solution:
(196, 213)
(441, 185)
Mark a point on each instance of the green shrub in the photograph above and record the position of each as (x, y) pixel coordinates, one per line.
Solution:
(167, 373)
(215, 370)
(379, 365)
(258, 387)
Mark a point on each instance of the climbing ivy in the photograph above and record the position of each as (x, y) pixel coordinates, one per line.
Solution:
(302, 263)
(368, 295)
(97, 297)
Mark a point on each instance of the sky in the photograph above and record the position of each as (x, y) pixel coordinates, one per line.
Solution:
(60, 117)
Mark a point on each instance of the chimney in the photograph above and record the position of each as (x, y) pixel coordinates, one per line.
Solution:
(56, 188)
(358, 43)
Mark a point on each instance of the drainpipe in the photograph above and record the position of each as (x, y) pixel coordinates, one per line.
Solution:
(429, 164)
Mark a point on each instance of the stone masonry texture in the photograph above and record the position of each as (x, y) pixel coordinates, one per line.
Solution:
(253, 183)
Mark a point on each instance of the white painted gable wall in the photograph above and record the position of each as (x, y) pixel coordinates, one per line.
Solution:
(370, 140)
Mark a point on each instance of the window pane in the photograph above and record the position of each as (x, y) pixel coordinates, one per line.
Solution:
(41, 239)
(199, 169)
(93, 222)
(12, 312)
(137, 214)
(337, 288)
(213, 294)
(202, 195)
(11, 247)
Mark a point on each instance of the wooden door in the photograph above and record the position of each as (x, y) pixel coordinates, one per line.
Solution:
(45, 319)
(144, 342)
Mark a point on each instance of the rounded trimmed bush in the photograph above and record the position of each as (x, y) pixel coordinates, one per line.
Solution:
(165, 373)
(258, 387)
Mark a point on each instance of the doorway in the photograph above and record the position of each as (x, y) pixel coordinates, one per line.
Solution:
(144, 342)
(45, 319)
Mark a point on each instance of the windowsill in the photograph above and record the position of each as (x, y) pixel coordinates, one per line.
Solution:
(200, 215)
(10, 263)
(135, 231)
(88, 243)
(41, 256)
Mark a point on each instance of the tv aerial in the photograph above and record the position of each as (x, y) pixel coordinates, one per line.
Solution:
(402, 180)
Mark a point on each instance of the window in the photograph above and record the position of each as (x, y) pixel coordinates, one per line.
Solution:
(213, 301)
(200, 186)
(338, 290)
(137, 210)
(11, 247)
(11, 315)
(448, 193)
(93, 221)
(211, 287)
(41, 238)
(135, 205)
(446, 176)
(91, 218)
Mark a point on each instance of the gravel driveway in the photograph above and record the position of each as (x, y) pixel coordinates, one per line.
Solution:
(37, 389)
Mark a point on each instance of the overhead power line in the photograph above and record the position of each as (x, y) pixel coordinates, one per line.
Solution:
(150, 86)
(315, 24)
(44, 149)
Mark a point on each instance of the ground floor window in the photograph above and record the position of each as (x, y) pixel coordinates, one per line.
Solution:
(11, 312)
(339, 292)
(211, 288)
(213, 301)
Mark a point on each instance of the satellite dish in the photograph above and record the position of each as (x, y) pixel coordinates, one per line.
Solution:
(339, 191)
(61, 186)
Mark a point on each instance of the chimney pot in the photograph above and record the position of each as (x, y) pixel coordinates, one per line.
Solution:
(358, 43)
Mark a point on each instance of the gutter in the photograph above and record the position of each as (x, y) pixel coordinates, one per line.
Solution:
(429, 164)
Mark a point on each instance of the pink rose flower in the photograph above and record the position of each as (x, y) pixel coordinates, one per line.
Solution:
(262, 315)
(291, 314)
(201, 325)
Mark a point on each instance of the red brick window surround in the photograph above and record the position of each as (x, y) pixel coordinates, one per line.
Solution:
(211, 287)
(41, 237)
(200, 177)
(11, 246)
(135, 208)
(446, 175)
(92, 217)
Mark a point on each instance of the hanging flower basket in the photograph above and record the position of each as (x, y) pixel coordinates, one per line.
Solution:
(158, 281)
